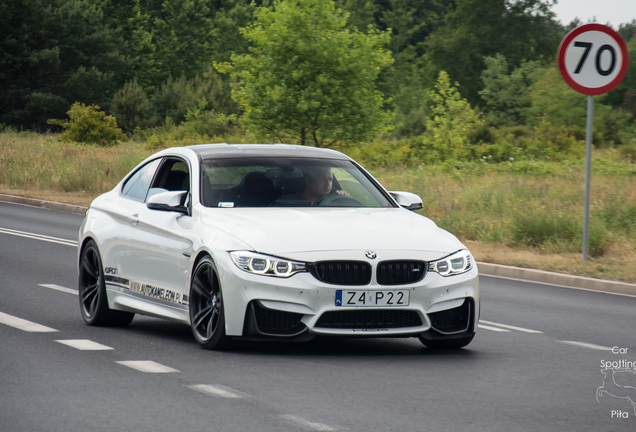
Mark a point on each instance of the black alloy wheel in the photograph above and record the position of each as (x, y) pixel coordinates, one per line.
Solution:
(92, 292)
(207, 314)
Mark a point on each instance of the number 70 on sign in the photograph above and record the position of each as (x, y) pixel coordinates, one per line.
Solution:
(593, 59)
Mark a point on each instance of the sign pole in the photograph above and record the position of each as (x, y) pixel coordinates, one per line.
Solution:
(588, 175)
(593, 60)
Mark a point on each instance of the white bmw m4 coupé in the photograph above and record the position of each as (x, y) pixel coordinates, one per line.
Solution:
(272, 242)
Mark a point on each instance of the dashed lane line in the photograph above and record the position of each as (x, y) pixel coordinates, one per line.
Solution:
(305, 424)
(147, 366)
(84, 345)
(38, 237)
(506, 326)
(217, 390)
(23, 324)
(487, 327)
(587, 345)
(59, 288)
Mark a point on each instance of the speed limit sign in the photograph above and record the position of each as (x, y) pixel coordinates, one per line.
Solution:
(593, 59)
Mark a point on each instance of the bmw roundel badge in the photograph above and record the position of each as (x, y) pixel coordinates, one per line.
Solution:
(371, 254)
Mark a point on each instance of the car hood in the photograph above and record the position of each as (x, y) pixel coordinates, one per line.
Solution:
(287, 231)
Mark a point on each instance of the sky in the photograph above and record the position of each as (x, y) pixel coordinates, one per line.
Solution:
(614, 12)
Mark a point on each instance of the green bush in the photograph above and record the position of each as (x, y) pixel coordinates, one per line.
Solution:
(201, 126)
(131, 107)
(208, 123)
(629, 151)
(176, 96)
(88, 125)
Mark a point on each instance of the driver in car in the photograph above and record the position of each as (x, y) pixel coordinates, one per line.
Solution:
(318, 183)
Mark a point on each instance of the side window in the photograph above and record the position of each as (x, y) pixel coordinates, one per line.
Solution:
(174, 175)
(137, 185)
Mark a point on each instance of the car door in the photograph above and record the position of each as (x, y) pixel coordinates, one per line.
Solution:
(153, 252)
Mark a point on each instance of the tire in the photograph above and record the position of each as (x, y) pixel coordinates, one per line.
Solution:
(448, 344)
(92, 292)
(207, 312)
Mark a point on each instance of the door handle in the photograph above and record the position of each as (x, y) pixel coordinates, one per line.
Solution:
(134, 218)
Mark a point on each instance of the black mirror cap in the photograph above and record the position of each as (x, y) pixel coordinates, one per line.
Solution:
(414, 206)
(165, 207)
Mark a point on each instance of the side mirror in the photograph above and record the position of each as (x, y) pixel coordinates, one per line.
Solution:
(168, 201)
(408, 200)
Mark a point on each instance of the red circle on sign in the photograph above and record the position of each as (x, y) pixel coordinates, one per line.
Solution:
(592, 91)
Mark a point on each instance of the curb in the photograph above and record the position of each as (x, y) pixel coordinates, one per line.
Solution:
(486, 269)
(551, 278)
(50, 205)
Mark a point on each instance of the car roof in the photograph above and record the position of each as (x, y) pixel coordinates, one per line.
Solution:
(206, 151)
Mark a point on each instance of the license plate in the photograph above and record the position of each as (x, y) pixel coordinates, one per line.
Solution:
(372, 298)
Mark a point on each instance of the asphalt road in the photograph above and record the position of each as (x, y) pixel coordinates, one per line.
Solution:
(535, 363)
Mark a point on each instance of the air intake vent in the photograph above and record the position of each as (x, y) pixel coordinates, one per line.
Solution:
(454, 320)
(342, 272)
(369, 319)
(400, 272)
(271, 321)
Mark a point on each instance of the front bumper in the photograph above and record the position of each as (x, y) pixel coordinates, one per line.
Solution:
(300, 305)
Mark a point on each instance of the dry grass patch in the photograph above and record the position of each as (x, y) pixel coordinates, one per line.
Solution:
(40, 163)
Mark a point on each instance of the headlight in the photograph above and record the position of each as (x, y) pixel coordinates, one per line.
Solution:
(457, 263)
(266, 265)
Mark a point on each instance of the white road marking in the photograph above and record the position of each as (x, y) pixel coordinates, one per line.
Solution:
(59, 288)
(39, 237)
(217, 391)
(587, 345)
(84, 344)
(147, 366)
(486, 327)
(23, 324)
(521, 329)
(305, 424)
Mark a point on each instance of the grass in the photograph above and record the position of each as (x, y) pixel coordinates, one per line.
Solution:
(40, 166)
(526, 213)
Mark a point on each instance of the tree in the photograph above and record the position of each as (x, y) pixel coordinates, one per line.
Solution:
(135, 23)
(627, 30)
(507, 95)
(183, 37)
(518, 29)
(307, 77)
(130, 106)
(52, 53)
(555, 102)
(452, 121)
(176, 96)
(407, 80)
(617, 97)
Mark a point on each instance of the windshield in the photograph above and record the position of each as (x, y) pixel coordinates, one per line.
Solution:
(287, 182)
